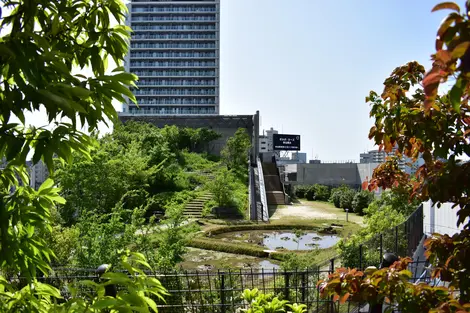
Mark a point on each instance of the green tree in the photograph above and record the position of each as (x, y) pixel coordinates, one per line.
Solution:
(361, 201)
(346, 198)
(236, 151)
(222, 187)
(336, 194)
(42, 42)
(322, 192)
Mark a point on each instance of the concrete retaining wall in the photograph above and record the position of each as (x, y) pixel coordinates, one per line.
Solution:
(226, 125)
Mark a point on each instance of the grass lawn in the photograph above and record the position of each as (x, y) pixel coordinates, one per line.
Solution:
(328, 207)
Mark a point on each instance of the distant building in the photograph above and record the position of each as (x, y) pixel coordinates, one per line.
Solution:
(174, 49)
(301, 157)
(330, 174)
(39, 173)
(314, 161)
(266, 146)
(295, 158)
(405, 164)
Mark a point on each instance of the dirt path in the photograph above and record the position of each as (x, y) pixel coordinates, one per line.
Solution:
(301, 212)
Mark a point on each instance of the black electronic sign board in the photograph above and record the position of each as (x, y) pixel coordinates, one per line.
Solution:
(286, 142)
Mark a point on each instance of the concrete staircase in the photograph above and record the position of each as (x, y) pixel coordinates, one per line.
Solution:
(194, 207)
(272, 181)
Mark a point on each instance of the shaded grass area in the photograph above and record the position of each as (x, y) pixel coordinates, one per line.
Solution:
(195, 258)
(288, 224)
(236, 248)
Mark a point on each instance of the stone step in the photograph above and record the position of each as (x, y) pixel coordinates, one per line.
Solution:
(192, 211)
(201, 205)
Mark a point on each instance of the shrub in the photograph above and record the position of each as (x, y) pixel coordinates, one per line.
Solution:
(361, 201)
(322, 192)
(300, 191)
(310, 193)
(222, 187)
(346, 198)
(336, 194)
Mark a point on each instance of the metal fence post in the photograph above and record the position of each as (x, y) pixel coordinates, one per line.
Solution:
(331, 308)
(396, 240)
(304, 285)
(360, 257)
(286, 285)
(222, 291)
(381, 247)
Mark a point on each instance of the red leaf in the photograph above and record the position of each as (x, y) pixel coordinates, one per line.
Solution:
(335, 298)
(445, 24)
(344, 298)
(446, 5)
(443, 55)
(432, 78)
(365, 185)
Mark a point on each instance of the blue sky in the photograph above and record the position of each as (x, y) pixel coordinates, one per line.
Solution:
(308, 65)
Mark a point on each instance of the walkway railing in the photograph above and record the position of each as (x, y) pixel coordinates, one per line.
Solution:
(262, 190)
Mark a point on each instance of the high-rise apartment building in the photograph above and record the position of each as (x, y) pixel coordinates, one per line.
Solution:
(175, 52)
(379, 156)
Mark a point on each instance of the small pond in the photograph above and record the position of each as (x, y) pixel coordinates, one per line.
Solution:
(282, 240)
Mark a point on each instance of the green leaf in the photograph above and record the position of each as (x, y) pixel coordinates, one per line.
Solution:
(119, 69)
(47, 290)
(107, 302)
(455, 94)
(47, 184)
(151, 304)
(57, 199)
(460, 50)
(80, 92)
(14, 147)
(117, 278)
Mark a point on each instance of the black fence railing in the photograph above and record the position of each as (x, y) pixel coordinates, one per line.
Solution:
(221, 291)
(402, 240)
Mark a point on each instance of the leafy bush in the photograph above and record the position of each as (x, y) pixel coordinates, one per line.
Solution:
(361, 201)
(381, 215)
(266, 303)
(335, 197)
(322, 192)
(300, 191)
(136, 292)
(222, 187)
(310, 193)
(342, 197)
(346, 199)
